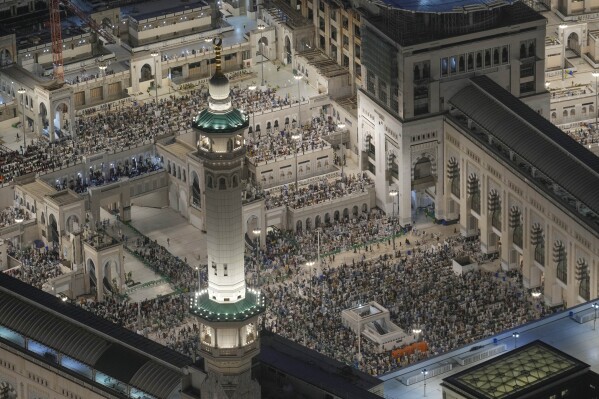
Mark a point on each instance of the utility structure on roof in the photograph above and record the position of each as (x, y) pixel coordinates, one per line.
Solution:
(227, 309)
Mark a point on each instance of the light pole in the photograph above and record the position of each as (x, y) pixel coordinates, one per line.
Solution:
(596, 75)
(595, 306)
(252, 88)
(393, 194)
(298, 77)
(257, 232)
(562, 27)
(515, 335)
(424, 373)
(155, 54)
(22, 92)
(342, 126)
(261, 46)
(417, 331)
(309, 263)
(296, 137)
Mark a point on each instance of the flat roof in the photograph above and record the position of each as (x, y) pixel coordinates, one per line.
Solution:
(516, 373)
(38, 189)
(153, 9)
(65, 197)
(446, 6)
(316, 369)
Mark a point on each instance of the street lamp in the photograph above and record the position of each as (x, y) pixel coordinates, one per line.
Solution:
(296, 137)
(342, 126)
(515, 335)
(424, 373)
(309, 264)
(251, 88)
(257, 232)
(22, 92)
(562, 27)
(596, 75)
(393, 194)
(155, 54)
(595, 306)
(261, 46)
(298, 77)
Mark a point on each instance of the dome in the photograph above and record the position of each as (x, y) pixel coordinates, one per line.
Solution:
(219, 86)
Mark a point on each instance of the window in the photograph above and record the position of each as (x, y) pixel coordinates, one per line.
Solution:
(504, 55)
(479, 60)
(225, 270)
(444, 66)
(462, 65)
(222, 184)
(453, 64)
(470, 61)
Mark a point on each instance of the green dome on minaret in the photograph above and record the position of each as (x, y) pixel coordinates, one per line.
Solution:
(220, 116)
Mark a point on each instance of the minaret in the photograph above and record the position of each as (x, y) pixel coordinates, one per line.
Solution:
(227, 309)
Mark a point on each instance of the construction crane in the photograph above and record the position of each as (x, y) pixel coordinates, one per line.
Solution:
(55, 31)
(57, 61)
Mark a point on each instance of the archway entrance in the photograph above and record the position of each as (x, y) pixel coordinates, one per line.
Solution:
(573, 43)
(263, 47)
(53, 230)
(112, 277)
(5, 57)
(61, 120)
(90, 268)
(145, 73)
(44, 118)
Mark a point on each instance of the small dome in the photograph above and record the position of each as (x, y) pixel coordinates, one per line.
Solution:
(219, 86)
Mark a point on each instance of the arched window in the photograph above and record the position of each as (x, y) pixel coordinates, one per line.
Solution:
(522, 50)
(462, 66)
(470, 62)
(222, 183)
(496, 57)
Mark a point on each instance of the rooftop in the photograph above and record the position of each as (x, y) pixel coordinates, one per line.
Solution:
(515, 373)
(153, 9)
(65, 197)
(38, 189)
(316, 369)
(446, 6)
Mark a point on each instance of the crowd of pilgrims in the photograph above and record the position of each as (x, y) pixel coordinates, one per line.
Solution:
(585, 135)
(415, 282)
(10, 215)
(420, 290)
(322, 190)
(130, 123)
(37, 265)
